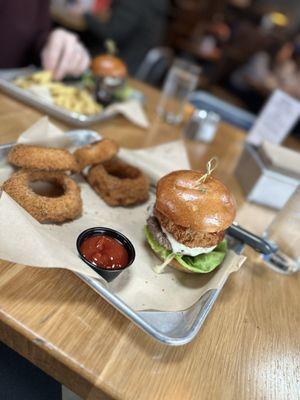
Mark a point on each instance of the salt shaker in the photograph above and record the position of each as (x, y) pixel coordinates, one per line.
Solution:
(202, 126)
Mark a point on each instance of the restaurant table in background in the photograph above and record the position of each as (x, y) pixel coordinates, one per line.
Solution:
(247, 349)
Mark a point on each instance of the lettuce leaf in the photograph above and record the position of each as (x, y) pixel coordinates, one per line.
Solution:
(124, 92)
(202, 263)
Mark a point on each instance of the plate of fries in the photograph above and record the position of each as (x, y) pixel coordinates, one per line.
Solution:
(71, 103)
(71, 98)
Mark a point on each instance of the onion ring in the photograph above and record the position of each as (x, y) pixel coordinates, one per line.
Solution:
(96, 153)
(45, 209)
(42, 158)
(118, 183)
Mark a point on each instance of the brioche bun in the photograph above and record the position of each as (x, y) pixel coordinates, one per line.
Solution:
(109, 65)
(208, 207)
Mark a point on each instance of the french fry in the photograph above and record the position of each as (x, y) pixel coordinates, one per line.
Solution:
(68, 97)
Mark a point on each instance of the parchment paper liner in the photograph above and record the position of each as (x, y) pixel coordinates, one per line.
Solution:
(25, 241)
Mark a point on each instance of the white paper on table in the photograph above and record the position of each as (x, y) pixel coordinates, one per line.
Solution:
(54, 246)
(159, 160)
(131, 110)
(44, 133)
(275, 120)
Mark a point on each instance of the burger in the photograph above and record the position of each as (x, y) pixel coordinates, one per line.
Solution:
(110, 74)
(109, 66)
(187, 225)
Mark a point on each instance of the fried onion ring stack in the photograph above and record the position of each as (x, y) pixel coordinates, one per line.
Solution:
(96, 153)
(44, 164)
(42, 158)
(118, 183)
(59, 209)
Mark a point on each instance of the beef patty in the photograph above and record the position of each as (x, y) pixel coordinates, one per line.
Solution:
(157, 233)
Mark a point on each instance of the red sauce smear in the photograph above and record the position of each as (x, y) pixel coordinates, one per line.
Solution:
(105, 252)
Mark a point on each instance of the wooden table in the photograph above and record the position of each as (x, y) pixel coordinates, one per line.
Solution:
(247, 349)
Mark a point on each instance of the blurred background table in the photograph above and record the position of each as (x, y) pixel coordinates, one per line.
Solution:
(248, 348)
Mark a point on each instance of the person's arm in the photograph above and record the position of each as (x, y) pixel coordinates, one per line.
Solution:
(125, 17)
(43, 30)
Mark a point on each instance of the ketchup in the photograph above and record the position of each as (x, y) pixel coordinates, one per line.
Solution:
(104, 252)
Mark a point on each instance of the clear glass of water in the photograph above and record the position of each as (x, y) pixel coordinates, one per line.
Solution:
(284, 231)
(181, 80)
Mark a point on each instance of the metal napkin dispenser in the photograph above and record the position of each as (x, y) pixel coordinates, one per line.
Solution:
(269, 174)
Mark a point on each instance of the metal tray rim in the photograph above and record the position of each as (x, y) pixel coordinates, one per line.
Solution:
(138, 320)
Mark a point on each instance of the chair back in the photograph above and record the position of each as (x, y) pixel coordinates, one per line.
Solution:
(155, 65)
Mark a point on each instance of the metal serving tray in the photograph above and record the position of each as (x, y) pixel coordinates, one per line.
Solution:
(172, 328)
(76, 119)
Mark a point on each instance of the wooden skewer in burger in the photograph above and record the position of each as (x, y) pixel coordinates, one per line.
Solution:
(187, 227)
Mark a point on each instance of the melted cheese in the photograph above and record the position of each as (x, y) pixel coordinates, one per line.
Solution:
(180, 248)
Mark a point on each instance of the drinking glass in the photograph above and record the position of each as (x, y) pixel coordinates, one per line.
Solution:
(284, 231)
(181, 80)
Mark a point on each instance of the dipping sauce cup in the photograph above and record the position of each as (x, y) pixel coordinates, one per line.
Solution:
(106, 251)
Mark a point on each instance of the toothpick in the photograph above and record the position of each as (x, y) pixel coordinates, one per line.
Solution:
(210, 167)
(160, 268)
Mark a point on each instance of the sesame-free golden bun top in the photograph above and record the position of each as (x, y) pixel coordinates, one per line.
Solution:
(206, 207)
(109, 65)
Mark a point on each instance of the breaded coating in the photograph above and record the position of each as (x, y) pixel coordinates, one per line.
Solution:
(59, 209)
(188, 236)
(118, 183)
(96, 153)
(42, 158)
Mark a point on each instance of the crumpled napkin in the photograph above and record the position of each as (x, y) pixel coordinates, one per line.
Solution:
(131, 110)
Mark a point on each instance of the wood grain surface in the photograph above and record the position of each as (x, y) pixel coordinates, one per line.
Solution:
(247, 349)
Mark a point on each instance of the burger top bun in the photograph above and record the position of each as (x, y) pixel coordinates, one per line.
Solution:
(109, 65)
(205, 207)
